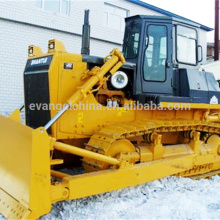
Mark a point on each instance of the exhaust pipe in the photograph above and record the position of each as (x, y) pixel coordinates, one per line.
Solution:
(86, 35)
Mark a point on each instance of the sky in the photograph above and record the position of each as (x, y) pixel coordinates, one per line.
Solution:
(201, 11)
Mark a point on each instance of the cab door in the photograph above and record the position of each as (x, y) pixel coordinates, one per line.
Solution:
(157, 68)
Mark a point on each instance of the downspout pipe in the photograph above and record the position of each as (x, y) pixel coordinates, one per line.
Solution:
(216, 55)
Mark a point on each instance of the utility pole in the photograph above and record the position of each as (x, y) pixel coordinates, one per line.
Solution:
(216, 57)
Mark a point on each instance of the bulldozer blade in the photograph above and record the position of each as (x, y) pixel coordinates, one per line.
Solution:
(24, 170)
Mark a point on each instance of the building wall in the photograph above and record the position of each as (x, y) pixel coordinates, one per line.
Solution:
(15, 39)
(203, 42)
(23, 24)
(26, 11)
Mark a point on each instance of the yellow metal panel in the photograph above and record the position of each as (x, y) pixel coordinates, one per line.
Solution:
(86, 122)
(104, 181)
(24, 170)
(40, 200)
(11, 208)
(191, 105)
(15, 151)
(15, 115)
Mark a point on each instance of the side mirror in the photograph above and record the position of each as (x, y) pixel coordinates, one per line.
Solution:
(200, 53)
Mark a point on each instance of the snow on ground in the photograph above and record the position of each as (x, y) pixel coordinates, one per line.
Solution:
(168, 198)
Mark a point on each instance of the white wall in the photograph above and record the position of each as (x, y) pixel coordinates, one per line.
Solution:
(15, 38)
(26, 11)
(203, 42)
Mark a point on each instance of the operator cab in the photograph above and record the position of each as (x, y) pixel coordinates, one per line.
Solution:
(167, 53)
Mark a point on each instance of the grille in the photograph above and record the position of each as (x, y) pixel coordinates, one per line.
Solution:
(37, 99)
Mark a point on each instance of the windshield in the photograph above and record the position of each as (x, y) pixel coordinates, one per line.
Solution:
(131, 40)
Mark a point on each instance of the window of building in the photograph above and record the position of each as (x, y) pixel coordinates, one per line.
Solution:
(57, 6)
(186, 45)
(114, 16)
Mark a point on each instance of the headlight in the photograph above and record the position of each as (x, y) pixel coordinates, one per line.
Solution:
(51, 46)
(30, 50)
(119, 80)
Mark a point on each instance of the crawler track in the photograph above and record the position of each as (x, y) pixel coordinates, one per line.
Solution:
(101, 141)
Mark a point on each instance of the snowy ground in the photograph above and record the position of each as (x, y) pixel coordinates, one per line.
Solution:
(168, 198)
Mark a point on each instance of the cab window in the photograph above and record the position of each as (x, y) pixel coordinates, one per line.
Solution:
(186, 44)
(131, 40)
(156, 53)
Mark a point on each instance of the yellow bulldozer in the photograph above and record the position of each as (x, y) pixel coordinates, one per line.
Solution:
(93, 125)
